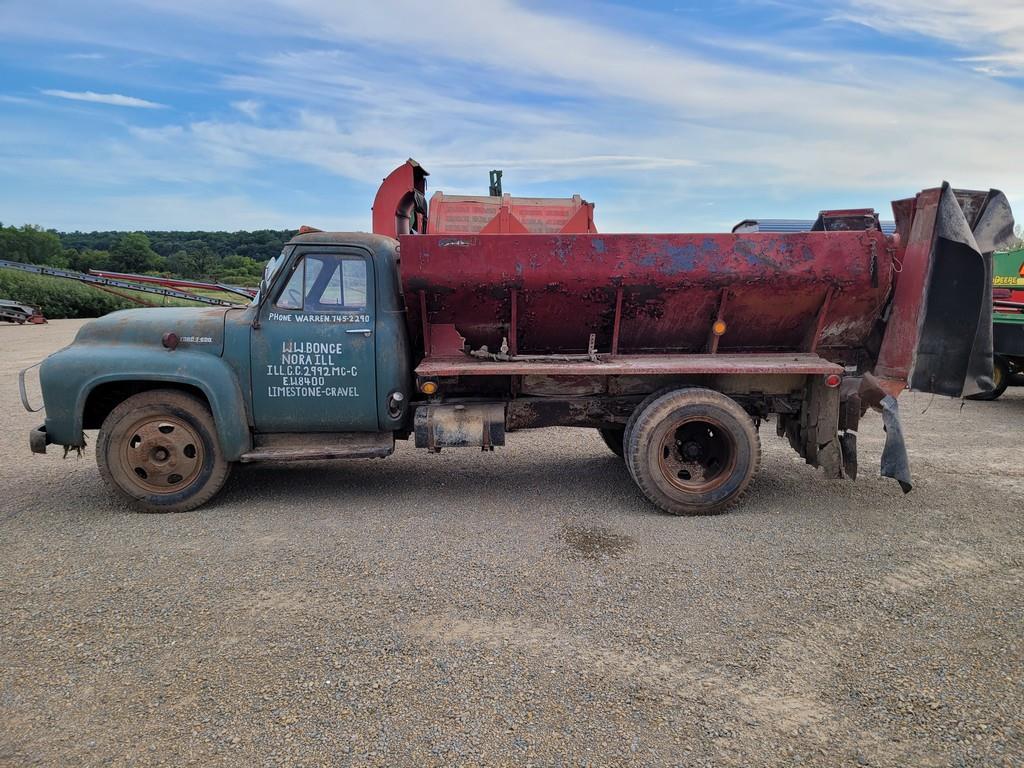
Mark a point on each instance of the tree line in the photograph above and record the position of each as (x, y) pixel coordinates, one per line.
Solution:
(225, 257)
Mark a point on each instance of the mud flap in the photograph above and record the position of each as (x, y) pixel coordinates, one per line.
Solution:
(848, 445)
(869, 394)
(814, 434)
(895, 462)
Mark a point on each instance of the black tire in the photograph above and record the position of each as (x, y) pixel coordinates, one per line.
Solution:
(693, 451)
(159, 450)
(1001, 378)
(636, 415)
(613, 438)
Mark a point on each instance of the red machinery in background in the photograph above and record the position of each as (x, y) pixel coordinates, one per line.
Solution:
(16, 312)
(400, 208)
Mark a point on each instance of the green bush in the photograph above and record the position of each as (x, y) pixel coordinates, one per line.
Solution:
(33, 245)
(243, 279)
(56, 297)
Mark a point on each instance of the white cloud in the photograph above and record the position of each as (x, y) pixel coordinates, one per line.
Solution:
(180, 211)
(660, 128)
(842, 121)
(249, 107)
(603, 162)
(114, 99)
(994, 27)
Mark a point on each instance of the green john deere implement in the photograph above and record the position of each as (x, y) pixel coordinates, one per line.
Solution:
(1007, 321)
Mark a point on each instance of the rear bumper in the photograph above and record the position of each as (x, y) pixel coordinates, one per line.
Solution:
(38, 439)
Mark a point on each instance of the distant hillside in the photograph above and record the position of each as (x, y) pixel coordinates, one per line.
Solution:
(235, 258)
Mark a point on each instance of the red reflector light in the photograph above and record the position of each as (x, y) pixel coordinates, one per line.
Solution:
(833, 380)
(170, 340)
(1001, 293)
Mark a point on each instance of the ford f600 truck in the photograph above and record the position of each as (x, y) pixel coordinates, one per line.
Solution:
(517, 314)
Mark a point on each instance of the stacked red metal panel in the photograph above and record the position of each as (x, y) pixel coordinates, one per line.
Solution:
(468, 214)
(400, 208)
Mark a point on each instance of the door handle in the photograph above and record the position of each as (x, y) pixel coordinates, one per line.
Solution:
(364, 331)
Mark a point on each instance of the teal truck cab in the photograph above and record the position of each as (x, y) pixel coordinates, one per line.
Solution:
(675, 347)
(199, 389)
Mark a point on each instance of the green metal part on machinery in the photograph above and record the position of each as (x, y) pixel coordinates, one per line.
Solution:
(1008, 315)
(1008, 273)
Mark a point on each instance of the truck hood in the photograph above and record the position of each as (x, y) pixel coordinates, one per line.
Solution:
(198, 328)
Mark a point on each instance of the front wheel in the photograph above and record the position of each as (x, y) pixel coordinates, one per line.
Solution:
(159, 450)
(693, 451)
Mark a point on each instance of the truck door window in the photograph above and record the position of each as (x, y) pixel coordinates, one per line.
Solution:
(325, 282)
(291, 296)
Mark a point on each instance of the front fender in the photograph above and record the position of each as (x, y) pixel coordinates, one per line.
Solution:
(68, 378)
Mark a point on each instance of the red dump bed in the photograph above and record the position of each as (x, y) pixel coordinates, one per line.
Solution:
(651, 293)
(532, 280)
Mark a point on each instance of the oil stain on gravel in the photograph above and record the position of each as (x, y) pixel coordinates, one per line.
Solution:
(594, 543)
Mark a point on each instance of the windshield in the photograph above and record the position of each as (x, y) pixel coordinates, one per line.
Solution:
(268, 275)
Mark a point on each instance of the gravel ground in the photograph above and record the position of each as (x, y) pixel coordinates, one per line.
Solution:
(516, 608)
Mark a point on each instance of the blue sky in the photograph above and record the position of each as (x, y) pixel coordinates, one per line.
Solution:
(676, 116)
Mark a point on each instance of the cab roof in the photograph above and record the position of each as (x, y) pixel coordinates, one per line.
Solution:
(365, 239)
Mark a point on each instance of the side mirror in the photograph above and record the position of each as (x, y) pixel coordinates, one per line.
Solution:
(257, 302)
(264, 286)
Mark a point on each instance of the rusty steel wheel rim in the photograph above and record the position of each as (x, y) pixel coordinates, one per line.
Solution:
(162, 455)
(697, 454)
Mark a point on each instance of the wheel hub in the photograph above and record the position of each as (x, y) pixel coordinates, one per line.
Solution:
(697, 455)
(690, 450)
(162, 455)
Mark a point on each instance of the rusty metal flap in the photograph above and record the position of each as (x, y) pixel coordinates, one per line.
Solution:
(950, 361)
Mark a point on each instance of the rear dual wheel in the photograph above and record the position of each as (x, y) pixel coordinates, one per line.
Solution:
(692, 451)
(616, 438)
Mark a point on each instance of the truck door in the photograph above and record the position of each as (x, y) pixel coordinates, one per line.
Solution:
(313, 354)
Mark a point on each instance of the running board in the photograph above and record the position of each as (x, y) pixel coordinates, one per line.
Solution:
(316, 446)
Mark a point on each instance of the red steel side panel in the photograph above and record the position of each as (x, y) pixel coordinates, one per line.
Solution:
(896, 354)
(671, 289)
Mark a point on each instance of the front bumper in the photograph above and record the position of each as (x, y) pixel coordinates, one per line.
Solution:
(38, 439)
